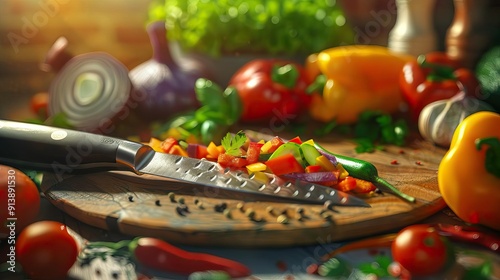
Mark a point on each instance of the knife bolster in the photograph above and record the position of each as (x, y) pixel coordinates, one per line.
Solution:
(133, 155)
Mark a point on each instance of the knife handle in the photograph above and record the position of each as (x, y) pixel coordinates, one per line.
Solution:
(62, 150)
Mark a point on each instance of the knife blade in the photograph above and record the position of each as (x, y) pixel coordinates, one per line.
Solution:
(64, 151)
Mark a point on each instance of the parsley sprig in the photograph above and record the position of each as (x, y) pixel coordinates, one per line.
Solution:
(371, 132)
(233, 143)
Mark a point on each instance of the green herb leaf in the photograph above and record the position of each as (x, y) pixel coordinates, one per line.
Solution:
(376, 127)
(232, 144)
(372, 130)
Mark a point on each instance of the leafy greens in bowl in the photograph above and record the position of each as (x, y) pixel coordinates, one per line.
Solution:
(285, 27)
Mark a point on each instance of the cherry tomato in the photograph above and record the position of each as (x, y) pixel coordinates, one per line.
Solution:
(420, 249)
(20, 201)
(46, 250)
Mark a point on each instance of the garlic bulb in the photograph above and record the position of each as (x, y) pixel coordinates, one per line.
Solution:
(438, 120)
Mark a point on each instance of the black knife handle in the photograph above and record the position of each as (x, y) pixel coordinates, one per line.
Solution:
(49, 148)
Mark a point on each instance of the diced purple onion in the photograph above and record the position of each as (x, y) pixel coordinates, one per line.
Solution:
(323, 176)
(329, 156)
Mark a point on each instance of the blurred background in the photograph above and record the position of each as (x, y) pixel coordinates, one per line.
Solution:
(28, 28)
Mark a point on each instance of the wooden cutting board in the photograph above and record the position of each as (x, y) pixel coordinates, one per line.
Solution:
(143, 205)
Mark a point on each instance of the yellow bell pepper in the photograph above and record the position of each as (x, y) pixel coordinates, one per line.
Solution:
(358, 78)
(469, 173)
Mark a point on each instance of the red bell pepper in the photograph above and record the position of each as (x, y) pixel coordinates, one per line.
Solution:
(434, 77)
(271, 90)
(284, 164)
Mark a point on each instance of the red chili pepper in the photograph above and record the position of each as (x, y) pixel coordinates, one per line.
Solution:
(271, 88)
(434, 77)
(471, 235)
(158, 254)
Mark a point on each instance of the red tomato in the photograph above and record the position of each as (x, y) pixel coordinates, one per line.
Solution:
(418, 91)
(420, 249)
(226, 160)
(46, 250)
(253, 152)
(20, 201)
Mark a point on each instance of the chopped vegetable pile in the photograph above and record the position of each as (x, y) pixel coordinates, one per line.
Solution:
(293, 159)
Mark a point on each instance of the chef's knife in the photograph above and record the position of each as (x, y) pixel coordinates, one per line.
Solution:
(63, 151)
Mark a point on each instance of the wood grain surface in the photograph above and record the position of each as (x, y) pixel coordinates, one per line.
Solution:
(143, 205)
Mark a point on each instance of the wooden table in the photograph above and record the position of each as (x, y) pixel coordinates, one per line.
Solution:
(275, 263)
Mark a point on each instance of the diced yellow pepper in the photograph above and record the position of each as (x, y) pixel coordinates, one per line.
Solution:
(265, 148)
(260, 176)
(155, 143)
(172, 132)
(255, 167)
(178, 150)
(343, 172)
(325, 163)
(213, 150)
(310, 142)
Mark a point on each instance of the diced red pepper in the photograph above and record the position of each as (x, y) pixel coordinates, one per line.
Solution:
(178, 150)
(284, 164)
(363, 186)
(253, 152)
(168, 143)
(197, 151)
(346, 184)
(275, 143)
(296, 139)
(313, 168)
(239, 162)
(227, 160)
